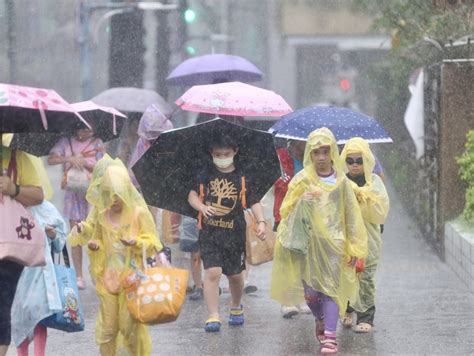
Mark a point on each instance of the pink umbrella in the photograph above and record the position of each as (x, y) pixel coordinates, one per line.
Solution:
(27, 109)
(233, 98)
(98, 113)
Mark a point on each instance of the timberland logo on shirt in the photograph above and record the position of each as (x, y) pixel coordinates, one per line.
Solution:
(223, 195)
(221, 223)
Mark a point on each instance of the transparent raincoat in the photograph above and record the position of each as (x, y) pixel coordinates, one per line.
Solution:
(374, 204)
(113, 260)
(317, 237)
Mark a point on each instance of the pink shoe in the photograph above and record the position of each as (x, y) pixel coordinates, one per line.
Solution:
(328, 347)
(81, 284)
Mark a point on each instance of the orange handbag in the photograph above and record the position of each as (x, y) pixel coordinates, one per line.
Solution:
(155, 295)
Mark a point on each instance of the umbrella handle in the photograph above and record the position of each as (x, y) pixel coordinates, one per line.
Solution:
(44, 120)
(114, 125)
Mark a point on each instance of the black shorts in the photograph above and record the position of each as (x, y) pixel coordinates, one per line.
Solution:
(227, 252)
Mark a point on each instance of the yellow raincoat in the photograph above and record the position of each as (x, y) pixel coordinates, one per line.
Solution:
(113, 260)
(374, 204)
(317, 237)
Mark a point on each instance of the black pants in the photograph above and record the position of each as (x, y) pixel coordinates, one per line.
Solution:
(9, 275)
(365, 317)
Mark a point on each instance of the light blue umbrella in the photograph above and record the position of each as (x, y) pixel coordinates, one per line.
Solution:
(344, 124)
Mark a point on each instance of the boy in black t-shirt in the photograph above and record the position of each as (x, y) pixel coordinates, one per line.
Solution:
(220, 196)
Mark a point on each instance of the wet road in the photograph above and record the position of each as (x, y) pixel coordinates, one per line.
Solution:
(422, 308)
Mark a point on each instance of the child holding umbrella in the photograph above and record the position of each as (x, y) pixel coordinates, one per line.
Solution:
(220, 195)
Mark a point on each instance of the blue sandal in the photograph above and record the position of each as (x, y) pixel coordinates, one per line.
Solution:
(236, 316)
(212, 325)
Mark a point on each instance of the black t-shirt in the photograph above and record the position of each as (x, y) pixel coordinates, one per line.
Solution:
(222, 191)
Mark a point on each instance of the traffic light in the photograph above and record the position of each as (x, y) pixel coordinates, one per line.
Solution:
(345, 85)
(190, 50)
(189, 15)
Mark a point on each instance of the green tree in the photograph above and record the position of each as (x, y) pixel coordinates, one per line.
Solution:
(466, 173)
(422, 34)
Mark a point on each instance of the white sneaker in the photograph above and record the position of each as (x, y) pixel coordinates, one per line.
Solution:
(304, 309)
(288, 312)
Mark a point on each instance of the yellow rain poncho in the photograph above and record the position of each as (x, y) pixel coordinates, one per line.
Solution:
(317, 237)
(113, 260)
(374, 204)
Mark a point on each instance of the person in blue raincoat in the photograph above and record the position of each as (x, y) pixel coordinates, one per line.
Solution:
(37, 295)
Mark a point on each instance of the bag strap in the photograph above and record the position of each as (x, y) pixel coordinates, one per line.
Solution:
(70, 145)
(201, 198)
(243, 190)
(65, 254)
(66, 257)
(12, 171)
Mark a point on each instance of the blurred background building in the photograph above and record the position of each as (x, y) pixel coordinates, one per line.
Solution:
(310, 51)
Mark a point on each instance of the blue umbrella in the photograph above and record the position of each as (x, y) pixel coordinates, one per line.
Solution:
(344, 124)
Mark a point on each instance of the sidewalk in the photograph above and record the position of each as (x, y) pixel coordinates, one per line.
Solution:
(422, 308)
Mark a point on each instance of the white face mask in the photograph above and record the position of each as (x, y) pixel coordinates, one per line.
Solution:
(223, 162)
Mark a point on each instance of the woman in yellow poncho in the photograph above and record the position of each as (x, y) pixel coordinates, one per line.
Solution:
(374, 203)
(118, 229)
(319, 238)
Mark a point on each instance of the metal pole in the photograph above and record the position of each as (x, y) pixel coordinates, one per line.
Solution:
(85, 12)
(85, 51)
(11, 40)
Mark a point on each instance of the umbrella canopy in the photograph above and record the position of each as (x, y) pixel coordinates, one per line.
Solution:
(233, 98)
(168, 170)
(212, 68)
(106, 123)
(27, 109)
(344, 124)
(132, 100)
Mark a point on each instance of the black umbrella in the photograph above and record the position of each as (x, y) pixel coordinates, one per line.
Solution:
(26, 109)
(168, 170)
(106, 123)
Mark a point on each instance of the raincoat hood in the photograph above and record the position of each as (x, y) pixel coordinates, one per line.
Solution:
(316, 139)
(358, 145)
(318, 233)
(110, 181)
(152, 123)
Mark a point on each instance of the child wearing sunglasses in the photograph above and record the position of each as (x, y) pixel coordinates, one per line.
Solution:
(320, 237)
(374, 203)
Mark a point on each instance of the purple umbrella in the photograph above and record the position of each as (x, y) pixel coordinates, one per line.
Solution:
(214, 68)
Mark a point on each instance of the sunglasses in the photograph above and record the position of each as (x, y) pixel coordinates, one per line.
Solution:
(350, 161)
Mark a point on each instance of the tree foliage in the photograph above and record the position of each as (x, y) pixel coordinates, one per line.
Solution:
(422, 35)
(419, 29)
(466, 173)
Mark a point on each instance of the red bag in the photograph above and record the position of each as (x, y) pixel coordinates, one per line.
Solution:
(22, 240)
